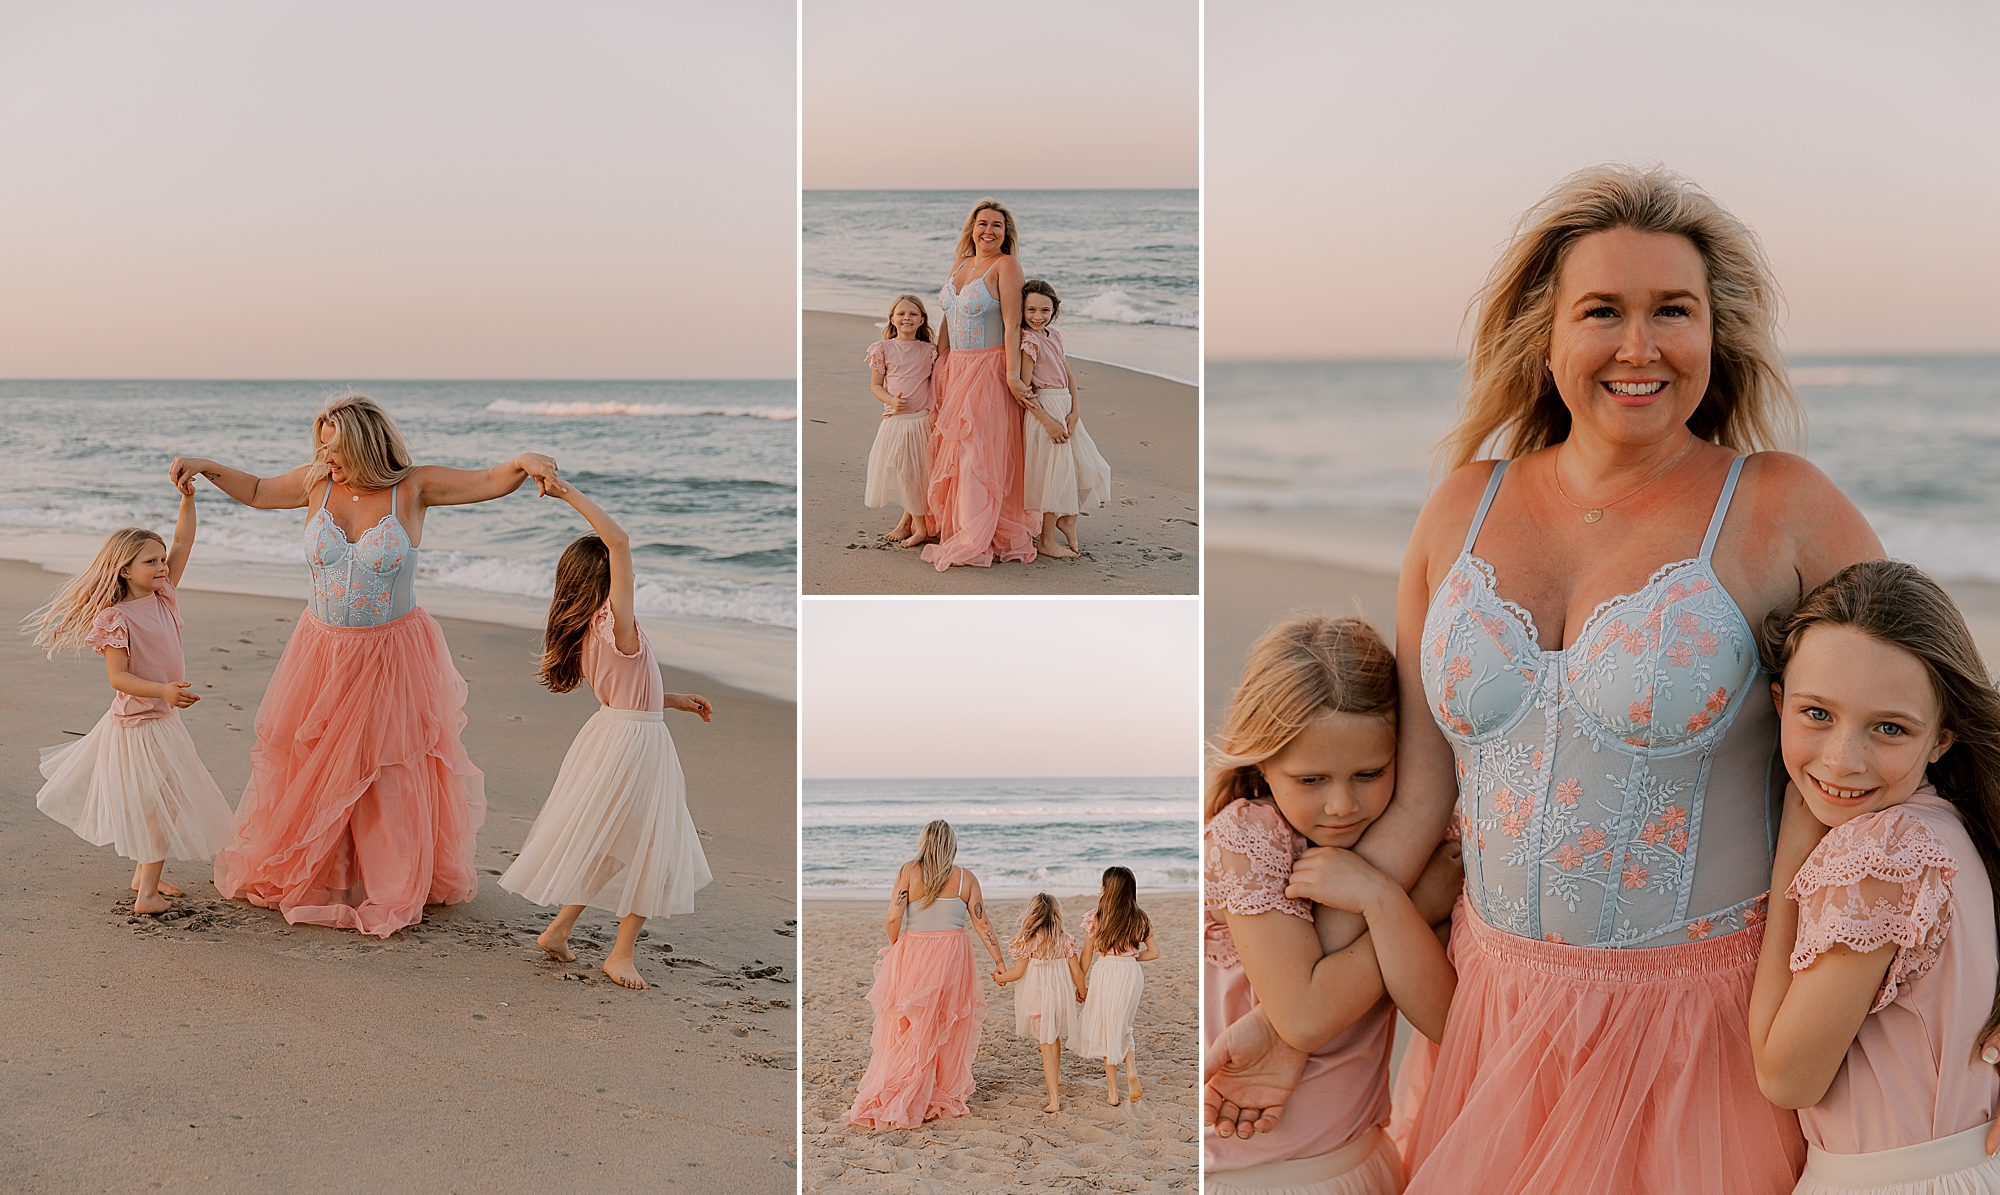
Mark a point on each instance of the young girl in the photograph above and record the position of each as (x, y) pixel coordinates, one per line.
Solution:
(899, 465)
(1119, 930)
(1063, 471)
(1875, 987)
(1307, 758)
(1045, 1007)
(615, 832)
(134, 783)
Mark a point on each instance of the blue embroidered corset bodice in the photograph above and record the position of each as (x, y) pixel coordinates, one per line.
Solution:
(364, 583)
(973, 315)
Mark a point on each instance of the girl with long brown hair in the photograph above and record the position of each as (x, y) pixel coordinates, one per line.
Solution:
(1117, 937)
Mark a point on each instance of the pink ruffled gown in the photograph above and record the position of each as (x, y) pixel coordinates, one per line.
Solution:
(362, 805)
(976, 454)
(928, 1011)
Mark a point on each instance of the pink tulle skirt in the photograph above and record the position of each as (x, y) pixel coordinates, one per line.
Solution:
(928, 1010)
(976, 464)
(1574, 1069)
(362, 805)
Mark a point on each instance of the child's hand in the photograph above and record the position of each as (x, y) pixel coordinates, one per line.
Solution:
(1437, 890)
(543, 470)
(999, 977)
(1069, 425)
(1337, 878)
(180, 694)
(1080, 994)
(1056, 431)
(1799, 832)
(896, 407)
(184, 483)
(691, 703)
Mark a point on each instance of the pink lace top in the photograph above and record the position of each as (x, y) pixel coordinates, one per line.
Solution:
(620, 681)
(1043, 949)
(906, 365)
(149, 629)
(1909, 876)
(1246, 862)
(1045, 348)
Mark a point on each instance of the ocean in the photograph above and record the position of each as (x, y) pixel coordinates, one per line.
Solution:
(1018, 836)
(1911, 440)
(1124, 262)
(702, 474)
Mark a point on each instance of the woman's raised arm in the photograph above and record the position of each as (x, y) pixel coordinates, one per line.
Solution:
(440, 486)
(287, 491)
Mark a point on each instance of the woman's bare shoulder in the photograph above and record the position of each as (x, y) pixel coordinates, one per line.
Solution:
(1447, 513)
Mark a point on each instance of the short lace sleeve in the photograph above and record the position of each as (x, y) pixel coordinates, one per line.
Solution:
(108, 630)
(604, 625)
(1065, 947)
(1031, 344)
(877, 359)
(1882, 878)
(1248, 861)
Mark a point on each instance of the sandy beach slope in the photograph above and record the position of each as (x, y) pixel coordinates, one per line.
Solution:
(1006, 1142)
(220, 1050)
(1143, 541)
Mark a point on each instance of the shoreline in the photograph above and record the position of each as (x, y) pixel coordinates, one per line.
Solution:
(1127, 366)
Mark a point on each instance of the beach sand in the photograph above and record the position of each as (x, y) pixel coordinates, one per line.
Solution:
(1143, 541)
(219, 1049)
(1006, 1142)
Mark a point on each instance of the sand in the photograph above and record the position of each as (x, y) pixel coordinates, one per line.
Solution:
(218, 1049)
(1143, 541)
(1006, 1142)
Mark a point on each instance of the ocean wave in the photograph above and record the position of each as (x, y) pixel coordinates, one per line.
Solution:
(1841, 375)
(509, 406)
(1009, 881)
(1115, 306)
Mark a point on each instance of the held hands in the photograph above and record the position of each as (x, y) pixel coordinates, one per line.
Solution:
(690, 703)
(999, 977)
(1022, 394)
(185, 469)
(1247, 1076)
(179, 694)
(543, 470)
(1337, 878)
(1081, 994)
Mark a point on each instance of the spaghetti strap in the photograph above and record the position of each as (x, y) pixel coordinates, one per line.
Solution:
(1485, 504)
(1721, 507)
(325, 495)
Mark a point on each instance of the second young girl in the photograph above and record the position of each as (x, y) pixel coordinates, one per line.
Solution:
(1307, 759)
(1063, 472)
(1875, 987)
(899, 465)
(615, 832)
(1117, 937)
(1045, 1007)
(134, 783)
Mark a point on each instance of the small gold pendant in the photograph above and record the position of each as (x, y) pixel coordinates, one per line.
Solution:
(1593, 514)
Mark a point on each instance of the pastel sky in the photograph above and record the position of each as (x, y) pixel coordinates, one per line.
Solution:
(379, 189)
(1033, 93)
(945, 687)
(1365, 161)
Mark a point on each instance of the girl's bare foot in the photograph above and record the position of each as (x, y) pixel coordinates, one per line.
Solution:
(1133, 1091)
(1049, 545)
(901, 531)
(557, 945)
(157, 904)
(624, 974)
(163, 888)
(1067, 525)
(1054, 1105)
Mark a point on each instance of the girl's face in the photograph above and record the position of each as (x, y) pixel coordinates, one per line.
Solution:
(906, 319)
(329, 452)
(148, 570)
(1038, 310)
(989, 231)
(1859, 723)
(1630, 344)
(1335, 777)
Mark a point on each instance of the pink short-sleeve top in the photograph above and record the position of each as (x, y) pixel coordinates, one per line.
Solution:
(621, 682)
(1045, 949)
(1907, 875)
(906, 366)
(1248, 851)
(149, 629)
(1045, 348)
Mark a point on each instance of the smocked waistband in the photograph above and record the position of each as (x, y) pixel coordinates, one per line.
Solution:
(1688, 960)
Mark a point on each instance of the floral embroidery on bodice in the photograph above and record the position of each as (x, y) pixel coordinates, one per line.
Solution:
(1590, 777)
(364, 583)
(972, 315)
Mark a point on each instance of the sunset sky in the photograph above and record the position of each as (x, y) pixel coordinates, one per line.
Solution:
(1364, 162)
(391, 190)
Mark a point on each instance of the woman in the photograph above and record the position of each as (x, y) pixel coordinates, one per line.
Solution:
(362, 805)
(976, 453)
(1580, 619)
(927, 1003)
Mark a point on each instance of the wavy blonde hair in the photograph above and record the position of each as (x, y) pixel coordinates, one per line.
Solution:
(1041, 924)
(1299, 669)
(62, 622)
(370, 443)
(1510, 398)
(1007, 240)
(935, 852)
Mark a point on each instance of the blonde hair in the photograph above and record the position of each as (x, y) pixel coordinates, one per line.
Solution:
(1300, 669)
(935, 852)
(62, 623)
(1510, 397)
(1041, 922)
(370, 444)
(1007, 240)
(889, 325)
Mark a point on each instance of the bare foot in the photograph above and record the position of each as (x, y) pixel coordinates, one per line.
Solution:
(1067, 525)
(1112, 1099)
(1049, 545)
(1054, 1105)
(557, 946)
(624, 974)
(158, 904)
(901, 530)
(1135, 1092)
(164, 889)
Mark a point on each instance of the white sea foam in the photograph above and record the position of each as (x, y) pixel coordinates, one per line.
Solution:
(509, 406)
(1115, 306)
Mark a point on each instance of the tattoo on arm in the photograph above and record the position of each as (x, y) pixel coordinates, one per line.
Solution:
(979, 910)
(903, 897)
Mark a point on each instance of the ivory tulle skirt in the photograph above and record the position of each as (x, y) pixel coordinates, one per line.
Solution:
(1104, 1027)
(1367, 1165)
(1066, 478)
(362, 805)
(140, 790)
(975, 494)
(1954, 1165)
(615, 832)
(1570, 1069)
(899, 465)
(1045, 1002)
(928, 1011)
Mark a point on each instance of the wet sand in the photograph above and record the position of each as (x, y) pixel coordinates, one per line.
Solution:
(218, 1049)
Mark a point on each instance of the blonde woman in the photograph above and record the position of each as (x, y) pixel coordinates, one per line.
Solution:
(1580, 616)
(362, 805)
(928, 1007)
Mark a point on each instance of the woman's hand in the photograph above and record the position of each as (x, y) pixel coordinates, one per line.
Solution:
(1247, 1076)
(1437, 889)
(999, 977)
(1337, 878)
(1022, 394)
(186, 468)
(691, 703)
(543, 470)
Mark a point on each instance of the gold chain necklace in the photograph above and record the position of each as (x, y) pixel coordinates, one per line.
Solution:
(1593, 513)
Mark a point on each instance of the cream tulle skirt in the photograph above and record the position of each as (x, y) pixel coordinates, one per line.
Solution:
(615, 832)
(1104, 1028)
(899, 465)
(140, 790)
(1045, 1002)
(1954, 1165)
(927, 1016)
(1367, 1165)
(1066, 478)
